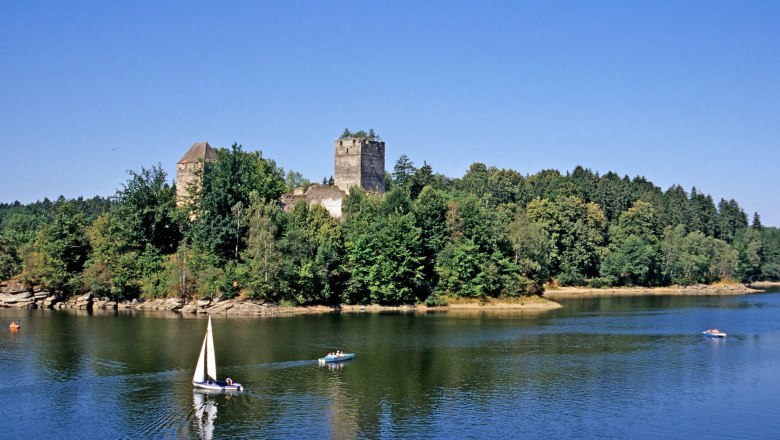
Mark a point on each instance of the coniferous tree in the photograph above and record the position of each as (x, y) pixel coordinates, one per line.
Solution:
(731, 219)
(402, 171)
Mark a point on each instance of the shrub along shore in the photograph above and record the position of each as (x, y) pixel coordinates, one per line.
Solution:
(16, 295)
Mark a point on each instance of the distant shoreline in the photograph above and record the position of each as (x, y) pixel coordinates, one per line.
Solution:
(723, 289)
(245, 307)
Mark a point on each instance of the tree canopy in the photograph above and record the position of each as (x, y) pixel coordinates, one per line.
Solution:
(492, 232)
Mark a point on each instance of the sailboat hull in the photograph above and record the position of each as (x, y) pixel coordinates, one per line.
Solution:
(218, 385)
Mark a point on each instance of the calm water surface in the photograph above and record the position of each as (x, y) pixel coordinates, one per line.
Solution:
(598, 368)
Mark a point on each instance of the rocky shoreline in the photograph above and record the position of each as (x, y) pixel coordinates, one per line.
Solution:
(14, 294)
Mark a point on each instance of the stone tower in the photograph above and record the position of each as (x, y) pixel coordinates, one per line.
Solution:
(187, 169)
(360, 161)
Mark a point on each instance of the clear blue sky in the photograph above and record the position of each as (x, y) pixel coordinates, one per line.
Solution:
(679, 92)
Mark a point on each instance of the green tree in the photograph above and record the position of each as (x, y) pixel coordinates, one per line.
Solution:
(130, 242)
(421, 178)
(756, 222)
(633, 255)
(489, 271)
(112, 269)
(10, 260)
(383, 259)
(226, 185)
(543, 185)
(18, 227)
(587, 181)
(395, 201)
(577, 230)
(675, 209)
(532, 250)
(695, 258)
(311, 251)
(731, 219)
(146, 211)
(748, 244)
(770, 239)
(505, 186)
(402, 171)
(612, 194)
(294, 179)
(263, 255)
(430, 213)
(704, 215)
(631, 262)
(60, 251)
(475, 181)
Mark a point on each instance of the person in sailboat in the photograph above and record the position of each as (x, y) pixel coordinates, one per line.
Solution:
(229, 381)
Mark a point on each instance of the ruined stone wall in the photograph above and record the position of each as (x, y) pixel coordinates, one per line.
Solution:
(186, 177)
(330, 197)
(372, 167)
(360, 162)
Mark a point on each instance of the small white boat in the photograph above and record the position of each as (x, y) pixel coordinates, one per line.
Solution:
(206, 370)
(331, 358)
(714, 333)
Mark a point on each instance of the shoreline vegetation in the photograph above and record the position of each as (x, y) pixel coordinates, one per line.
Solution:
(418, 238)
(245, 307)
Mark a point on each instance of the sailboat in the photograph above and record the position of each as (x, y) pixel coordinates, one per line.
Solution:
(205, 376)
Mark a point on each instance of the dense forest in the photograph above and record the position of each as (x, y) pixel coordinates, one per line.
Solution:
(491, 233)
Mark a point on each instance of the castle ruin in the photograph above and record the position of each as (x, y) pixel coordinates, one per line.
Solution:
(188, 169)
(360, 161)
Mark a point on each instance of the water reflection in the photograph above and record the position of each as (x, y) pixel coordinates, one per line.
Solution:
(596, 369)
(334, 365)
(205, 406)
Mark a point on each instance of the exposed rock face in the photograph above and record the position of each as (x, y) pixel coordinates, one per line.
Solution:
(104, 304)
(21, 300)
(16, 294)
(83, 302)
(16, 286)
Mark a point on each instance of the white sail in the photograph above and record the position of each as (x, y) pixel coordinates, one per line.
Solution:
(211, 358)
(207, 361)
(200, 369)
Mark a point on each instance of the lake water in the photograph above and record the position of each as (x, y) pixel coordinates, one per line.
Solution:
(597, 368)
